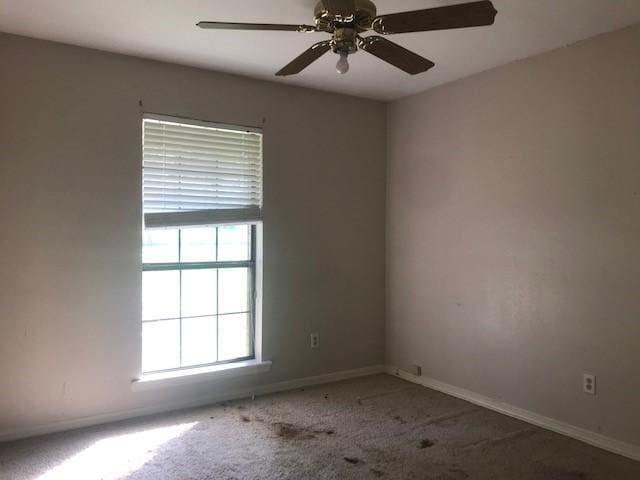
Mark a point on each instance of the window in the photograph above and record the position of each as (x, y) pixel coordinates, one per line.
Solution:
(202, 195)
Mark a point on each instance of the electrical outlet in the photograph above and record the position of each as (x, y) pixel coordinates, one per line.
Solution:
(589, 384)
(315, 340)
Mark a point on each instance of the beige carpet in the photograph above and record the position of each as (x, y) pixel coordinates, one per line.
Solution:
(372, 427)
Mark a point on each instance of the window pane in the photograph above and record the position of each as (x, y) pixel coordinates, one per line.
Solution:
(234, 336)
(198, 244)
(233, 242)
(160, 246)
(199, 342)
(198, 292)
(160, 345)
(232, 290)
(160, 295)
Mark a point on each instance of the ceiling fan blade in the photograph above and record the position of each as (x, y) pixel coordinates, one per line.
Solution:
(398, 56)
(342, 8)
(307, 58)
(474, 14)
(256, 26)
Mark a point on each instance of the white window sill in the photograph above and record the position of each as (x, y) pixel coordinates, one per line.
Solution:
(200, 374)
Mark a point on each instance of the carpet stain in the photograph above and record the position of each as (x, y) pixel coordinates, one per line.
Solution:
(289, 431)
(426, 443)
(376, 473)
(399, 419)
(352, 460)
(245, 419)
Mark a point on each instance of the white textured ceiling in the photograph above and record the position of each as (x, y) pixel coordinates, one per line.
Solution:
(164, 30)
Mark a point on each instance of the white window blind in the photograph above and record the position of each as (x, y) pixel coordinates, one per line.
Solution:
(200, 173)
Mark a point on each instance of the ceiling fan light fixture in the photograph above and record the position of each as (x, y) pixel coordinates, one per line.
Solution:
(342, 66)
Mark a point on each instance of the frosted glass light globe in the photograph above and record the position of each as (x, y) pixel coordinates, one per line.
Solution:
(343, 64)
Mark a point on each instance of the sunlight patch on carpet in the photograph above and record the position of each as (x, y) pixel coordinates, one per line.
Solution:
(115, 457)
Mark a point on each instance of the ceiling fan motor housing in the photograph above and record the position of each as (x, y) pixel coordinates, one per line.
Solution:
(345, 29)
(361, 19)
(344, 41)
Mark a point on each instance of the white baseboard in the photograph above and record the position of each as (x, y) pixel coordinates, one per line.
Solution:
(202, 401)
(577, 433)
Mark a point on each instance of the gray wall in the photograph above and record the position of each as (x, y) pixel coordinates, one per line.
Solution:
(513, 233)
(70, 209)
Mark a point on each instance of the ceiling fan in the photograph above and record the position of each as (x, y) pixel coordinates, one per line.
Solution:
(346, 20)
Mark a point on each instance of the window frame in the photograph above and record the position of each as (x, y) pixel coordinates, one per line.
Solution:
(252, 292)
(250, 215)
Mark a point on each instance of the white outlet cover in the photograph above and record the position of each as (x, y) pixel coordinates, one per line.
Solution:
(589, 384)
